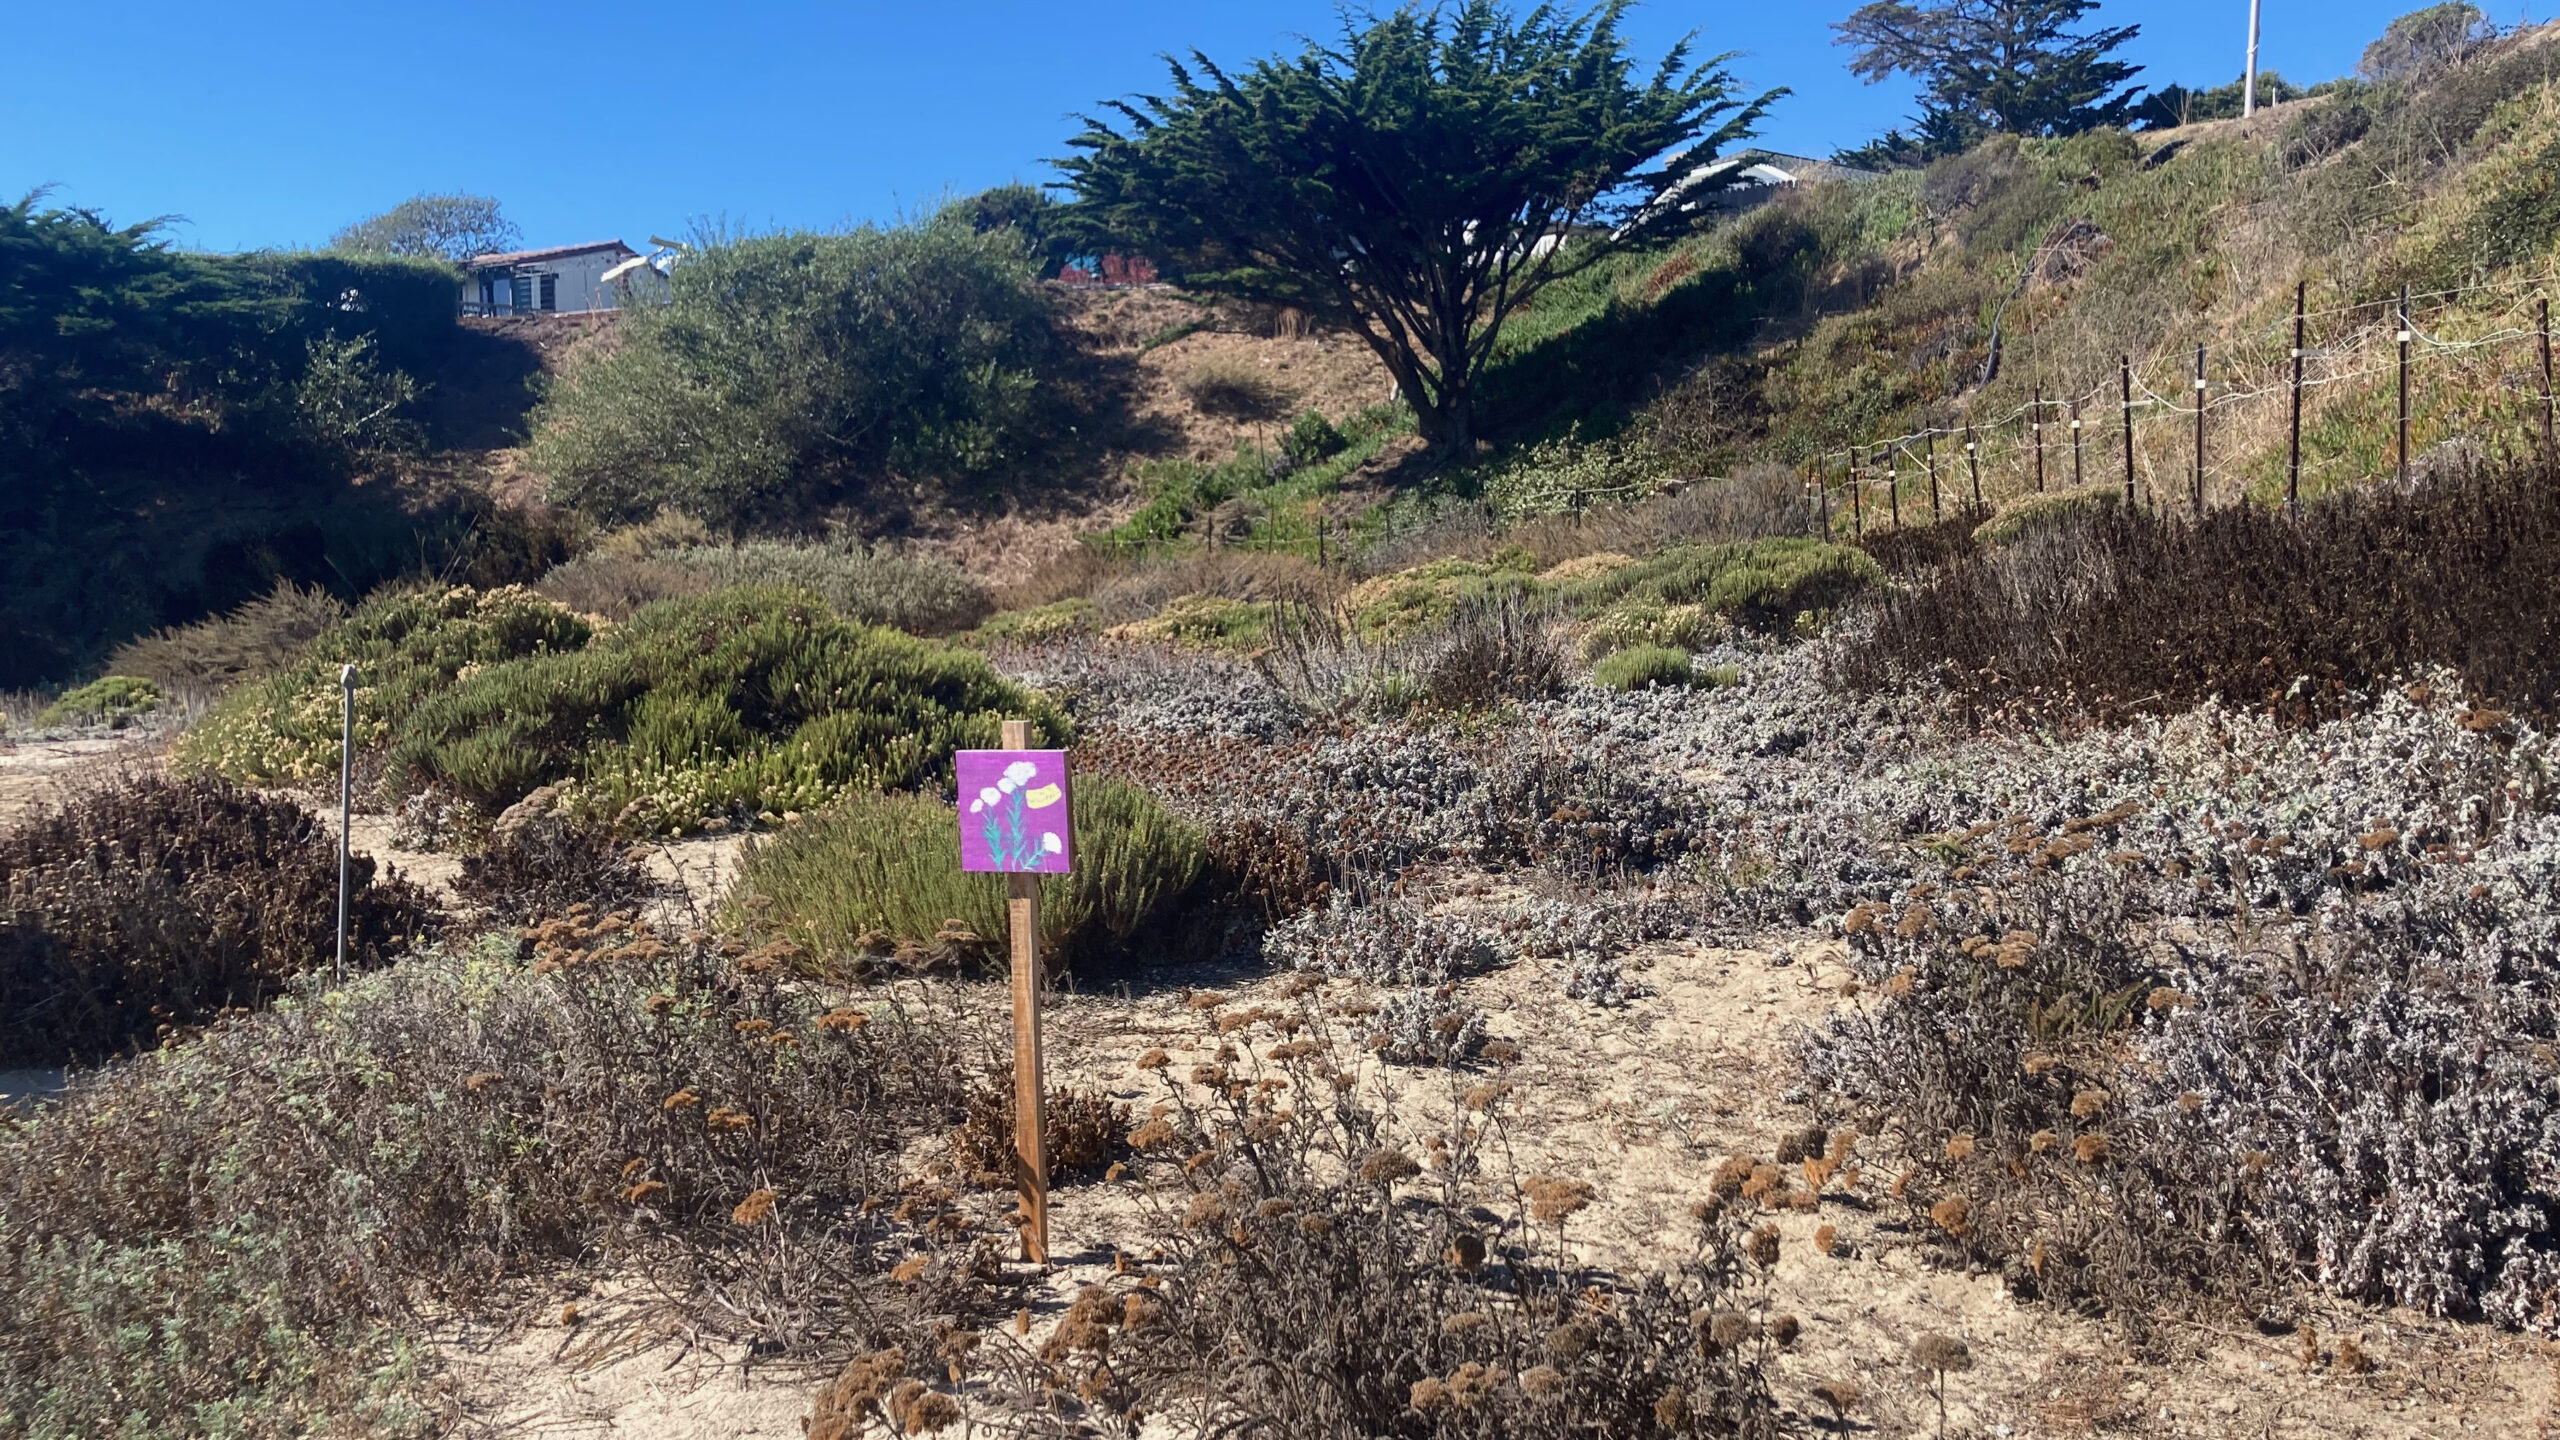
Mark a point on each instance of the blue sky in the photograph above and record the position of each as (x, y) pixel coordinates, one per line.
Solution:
(272, 122)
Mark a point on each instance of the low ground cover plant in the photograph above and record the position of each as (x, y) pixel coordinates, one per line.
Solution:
(917, 594)
(877, 878)
(1645, 665)
(1765, 584)
(240, 1234)
(114, 701)
(153, 904)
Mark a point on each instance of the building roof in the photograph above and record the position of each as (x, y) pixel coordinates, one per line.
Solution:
(556, 252)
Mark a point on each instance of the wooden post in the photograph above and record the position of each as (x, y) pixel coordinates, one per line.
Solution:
(1893, 483)
(2076, 477)
(2124, 370)
(2550, 453)
(2035, 424)
(2199, 432)
(1030, 1093)
(1973, 464)
(1320, 536)
(2403, 329)
(2293, 451)
(1929, 448)
(1857, 495)
(1822, 490)
(346, 805)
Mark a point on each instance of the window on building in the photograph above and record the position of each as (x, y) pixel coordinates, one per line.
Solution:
(519, 293)
(550, 292)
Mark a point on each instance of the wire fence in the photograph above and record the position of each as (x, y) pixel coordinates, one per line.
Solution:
(2458, 370)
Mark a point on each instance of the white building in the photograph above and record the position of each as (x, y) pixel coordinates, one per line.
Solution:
(565, 279)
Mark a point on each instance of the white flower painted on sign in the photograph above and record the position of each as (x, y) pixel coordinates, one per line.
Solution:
(1049, 841)
(986, 800)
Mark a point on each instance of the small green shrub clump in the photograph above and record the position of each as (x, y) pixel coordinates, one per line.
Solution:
(917, 594)
(257, 639)
(1031, 626)
(1212, 621)
(1393, 607)
(158, 902)
(1642, 621)
(1765, 584)
(877, 874)
(2030, 512)
(745, 700)
(1644, 666)
(113, 700)
(406, 646)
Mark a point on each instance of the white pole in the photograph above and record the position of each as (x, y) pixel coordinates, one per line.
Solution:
(346, 805)
(2249, 81)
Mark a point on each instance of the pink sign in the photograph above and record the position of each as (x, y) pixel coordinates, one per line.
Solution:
(1014, 811)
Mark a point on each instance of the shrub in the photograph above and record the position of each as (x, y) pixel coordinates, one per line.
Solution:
(880, 875)
(2116, 611)
(1904, 549)
(114, 700)
(914, 593)
(1312, 439)
(615, 585)
(793, 369)
(156, 903)
(1208, 620)
(2015, 518)
(1259, 576)
(250, 1233)
(547, 865)
(1234, 388)
(744, 700)
(257, 639)
(1039, 623)
(1647, 622)
(1642, 666)
(406, 646)
(1393, 607)
(1310, 1268)
(1761, 583)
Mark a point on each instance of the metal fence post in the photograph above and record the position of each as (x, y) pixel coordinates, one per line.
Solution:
(1973, 464)
(346, 803)
(2035, 424)
(2293, 451)
(2403, 329)
(2199, 432)
(2124, 370)
(1929, 450)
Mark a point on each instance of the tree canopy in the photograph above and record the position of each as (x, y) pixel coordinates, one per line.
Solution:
(444, 227)
(1988, 66)
(1418, 182)
(2422, 40)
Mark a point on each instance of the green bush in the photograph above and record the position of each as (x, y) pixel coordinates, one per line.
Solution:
(171, 900)
(1642, 621)
(799, 368)
(1762, 583)
(406, 646)
(1053, 621)
(1392, 607)
(1643, 666)
(877, 873)
(743, 700)
(2037, 511)
(111, 700)
(1213, 621)
(257, 639)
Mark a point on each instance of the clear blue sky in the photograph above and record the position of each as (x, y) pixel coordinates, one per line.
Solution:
(273, 122)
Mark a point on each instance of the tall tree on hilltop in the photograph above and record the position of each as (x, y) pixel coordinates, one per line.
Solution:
(1993, 65)
(448, 227)
(1420, 183)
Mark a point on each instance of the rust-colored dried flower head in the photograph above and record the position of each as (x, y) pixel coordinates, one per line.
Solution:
(2091, 1148)
(1569, 1339)
(1762, 1247)
(645, 1191)
(1464, 1322)
(1900, 984)
(1731, 1176)
(911, 1269)
(1671, 1412)
(1954, 1215)
(682, 1099)
(2043, 1140)
(1960, 1146)
(1466, 1251)
(1427, 1395)
(2350, 1357)
(1826, 1240)
(1151, 1135)
(1204, 1000)
(480, 1080)
(2190, 1101)
(1138, 1310)
(1488, 1094)
(2088, 1102)
(1944, 1354)
(1542, 1382)
(659, 1004)
(1842, 1395)
(1212, 1077)
(1553, 1198)
(844, 1019)
(1765, 1181)
(757, 1205)
(1314, 1227)
(1155, 1059)
(1385, 1166)
(1473, 1383)
(1501, 1052)
(1784, 1329)
(1727, 1330)
(726, 1118)
(569, 1314)
(2255, 1162)
(2164, 999)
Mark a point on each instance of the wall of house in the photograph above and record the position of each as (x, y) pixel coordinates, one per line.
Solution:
(579, 284)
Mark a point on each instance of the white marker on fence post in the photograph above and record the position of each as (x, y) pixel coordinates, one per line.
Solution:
(346, 804)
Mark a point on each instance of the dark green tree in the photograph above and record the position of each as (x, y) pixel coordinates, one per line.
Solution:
(1418, 184)
(1994, 65)
(2175, 105)
(1027, 211)
(2425, 40)
(446, 227)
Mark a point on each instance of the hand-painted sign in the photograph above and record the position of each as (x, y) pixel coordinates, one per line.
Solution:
(1014, 812)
